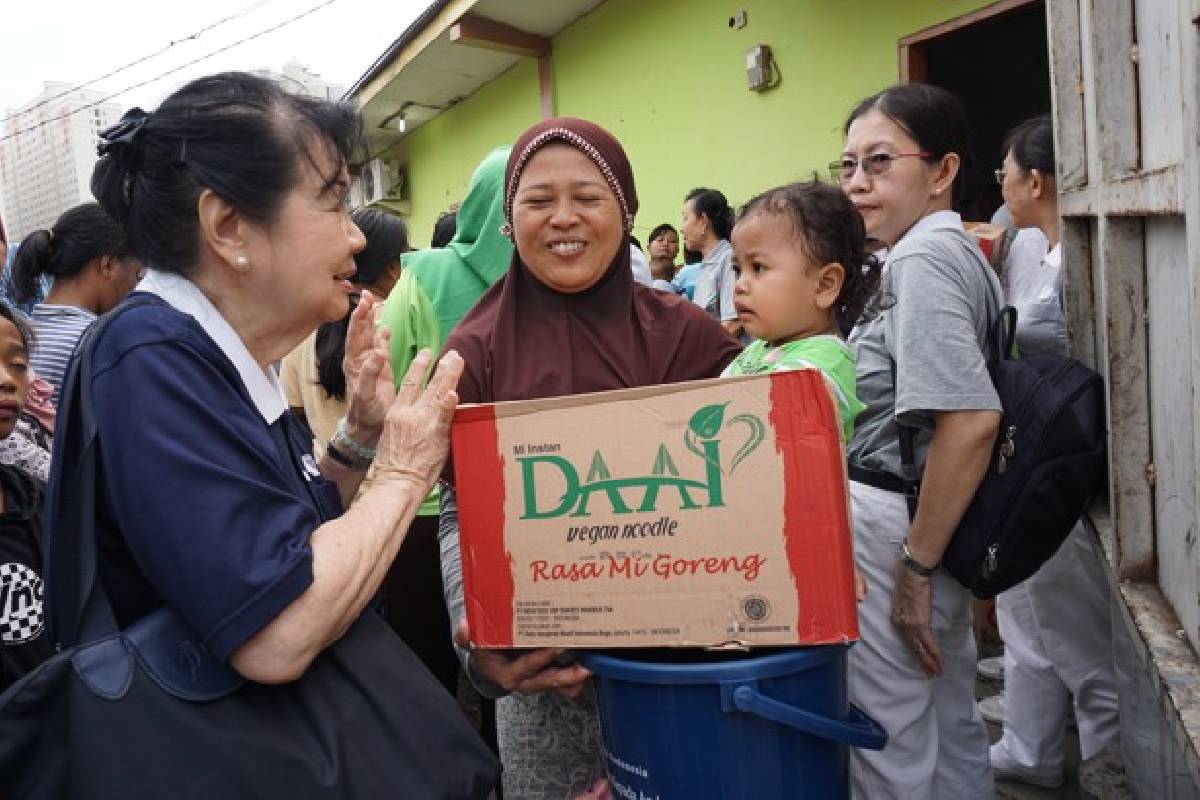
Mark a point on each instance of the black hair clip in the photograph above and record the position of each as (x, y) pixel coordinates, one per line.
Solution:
(124, 133)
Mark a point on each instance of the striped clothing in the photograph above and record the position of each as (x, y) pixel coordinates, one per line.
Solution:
(826, 353)
(56, 331)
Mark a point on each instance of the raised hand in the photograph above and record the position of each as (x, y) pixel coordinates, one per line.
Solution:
(416, 430)
(370, 386)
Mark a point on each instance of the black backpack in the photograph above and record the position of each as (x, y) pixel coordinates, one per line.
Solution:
(1048, 458)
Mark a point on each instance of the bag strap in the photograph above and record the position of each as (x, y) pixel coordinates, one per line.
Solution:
(999, 344)
(79, 608)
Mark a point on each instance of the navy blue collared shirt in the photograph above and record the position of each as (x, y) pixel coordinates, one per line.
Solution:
(204, 504)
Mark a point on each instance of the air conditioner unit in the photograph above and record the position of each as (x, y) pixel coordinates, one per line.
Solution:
(383, 181)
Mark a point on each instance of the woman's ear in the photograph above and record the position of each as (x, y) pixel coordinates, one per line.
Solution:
(830, 279)
(1039, 184)
(108, 266)
(947, 171)
(222, 230)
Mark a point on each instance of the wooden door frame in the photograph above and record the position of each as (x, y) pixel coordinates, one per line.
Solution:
(910, 49)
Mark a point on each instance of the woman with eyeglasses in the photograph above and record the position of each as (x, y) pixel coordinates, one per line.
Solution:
(920, 365)
(1056, 625)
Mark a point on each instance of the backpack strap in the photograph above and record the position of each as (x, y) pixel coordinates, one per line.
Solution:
(999, 344)
(78, 608)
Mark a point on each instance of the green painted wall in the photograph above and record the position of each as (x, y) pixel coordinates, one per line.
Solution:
(444, 152)
(668, 78)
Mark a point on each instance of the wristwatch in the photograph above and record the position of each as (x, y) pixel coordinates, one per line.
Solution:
(911, 562)
(345, 459)
(357, 452)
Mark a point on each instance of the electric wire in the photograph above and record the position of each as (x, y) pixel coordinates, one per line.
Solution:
(172, 71)
(138, 61)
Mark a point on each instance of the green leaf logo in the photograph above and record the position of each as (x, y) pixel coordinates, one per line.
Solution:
(756, 435)
(706, 423)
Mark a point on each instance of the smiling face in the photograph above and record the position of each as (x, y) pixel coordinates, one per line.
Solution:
(910, 189)
(567, 222)
(781, 294)
(14, 375)
(304, 260)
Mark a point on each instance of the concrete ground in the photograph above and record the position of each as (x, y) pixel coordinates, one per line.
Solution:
(1100, 778)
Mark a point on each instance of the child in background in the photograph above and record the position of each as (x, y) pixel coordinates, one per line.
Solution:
(23, 640)
(800, 255)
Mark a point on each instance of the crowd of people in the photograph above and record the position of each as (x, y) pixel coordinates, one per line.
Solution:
(274, 454)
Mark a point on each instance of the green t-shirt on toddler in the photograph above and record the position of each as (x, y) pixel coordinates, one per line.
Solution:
(827, 353)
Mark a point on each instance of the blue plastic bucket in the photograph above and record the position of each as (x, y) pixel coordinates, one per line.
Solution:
(728, 726)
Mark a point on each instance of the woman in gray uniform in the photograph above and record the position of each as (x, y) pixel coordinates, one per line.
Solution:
(1056, 625)
(920, 364)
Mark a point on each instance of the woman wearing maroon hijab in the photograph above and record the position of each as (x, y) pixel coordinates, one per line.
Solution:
(567, 318)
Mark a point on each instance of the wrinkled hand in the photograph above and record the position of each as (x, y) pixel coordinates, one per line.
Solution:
(912, 613)
(416, 430)
(524, 672)
(367, 366)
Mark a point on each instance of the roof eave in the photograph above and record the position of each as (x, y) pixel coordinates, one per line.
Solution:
(411, 33)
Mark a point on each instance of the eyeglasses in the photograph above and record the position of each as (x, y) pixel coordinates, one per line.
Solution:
(999, 176)
(843, 170)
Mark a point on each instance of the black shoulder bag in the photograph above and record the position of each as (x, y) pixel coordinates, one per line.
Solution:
(1049, 457)
(149, 712)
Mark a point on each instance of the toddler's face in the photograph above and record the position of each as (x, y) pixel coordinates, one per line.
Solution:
(14, 376)
(781, 295)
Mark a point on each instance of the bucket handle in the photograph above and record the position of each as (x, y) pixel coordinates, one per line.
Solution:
(858, 730)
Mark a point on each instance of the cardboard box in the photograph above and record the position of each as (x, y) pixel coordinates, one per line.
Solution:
(694, 514)
(992, 240)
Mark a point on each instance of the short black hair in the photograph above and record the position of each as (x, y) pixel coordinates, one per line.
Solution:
(934, 117)
(237, 134)
(659, 230)
(1032, 145)
(330, 347)
(444, 229)
(387, 240)
(23, 327)
(79, 235)
(712, 204)
(829, 229)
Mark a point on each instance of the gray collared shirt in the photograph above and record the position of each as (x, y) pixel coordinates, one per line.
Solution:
(937, 296)
(714, 286)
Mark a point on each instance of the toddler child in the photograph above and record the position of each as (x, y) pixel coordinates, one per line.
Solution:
(800, 255)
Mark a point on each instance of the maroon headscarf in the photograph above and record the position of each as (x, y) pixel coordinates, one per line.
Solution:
(523, 340)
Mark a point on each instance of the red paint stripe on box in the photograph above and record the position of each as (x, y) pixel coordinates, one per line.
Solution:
(479, 479)
(816, 513)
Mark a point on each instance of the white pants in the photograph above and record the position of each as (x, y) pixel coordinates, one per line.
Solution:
(937, 743)
(1057, 632)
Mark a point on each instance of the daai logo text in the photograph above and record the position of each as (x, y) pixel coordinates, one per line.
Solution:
(642, 493)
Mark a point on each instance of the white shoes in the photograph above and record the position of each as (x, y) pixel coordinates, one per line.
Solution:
(1005, 768)
(991, 668)
(992, 709)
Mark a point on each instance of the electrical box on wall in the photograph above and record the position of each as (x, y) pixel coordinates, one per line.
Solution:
(761, 71)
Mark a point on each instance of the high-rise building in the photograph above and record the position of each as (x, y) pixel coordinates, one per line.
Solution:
(47, 152)
(299, 79)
